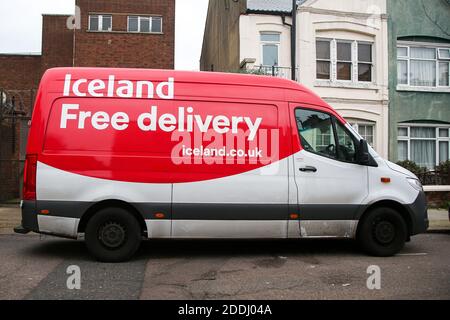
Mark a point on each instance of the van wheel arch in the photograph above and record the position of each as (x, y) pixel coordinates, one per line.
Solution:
(392, 205)
(111, 204)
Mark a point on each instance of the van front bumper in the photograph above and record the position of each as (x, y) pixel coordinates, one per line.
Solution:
(419, 214)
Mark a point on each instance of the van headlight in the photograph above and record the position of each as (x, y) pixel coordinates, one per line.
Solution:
(415, 183)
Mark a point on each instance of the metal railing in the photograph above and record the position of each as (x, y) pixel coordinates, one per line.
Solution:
(274, 71)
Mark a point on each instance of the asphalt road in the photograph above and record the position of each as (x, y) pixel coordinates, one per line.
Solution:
(35, 268)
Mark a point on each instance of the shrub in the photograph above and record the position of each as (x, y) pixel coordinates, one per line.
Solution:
(444, 167)
(444, 172)
(412, 166)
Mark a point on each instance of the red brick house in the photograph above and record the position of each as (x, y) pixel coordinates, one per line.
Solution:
(105, 33)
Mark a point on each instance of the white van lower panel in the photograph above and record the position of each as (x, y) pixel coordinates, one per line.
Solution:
(328, 228)
(60, 226)
(251, 229)
(229, 229)
(159, 229)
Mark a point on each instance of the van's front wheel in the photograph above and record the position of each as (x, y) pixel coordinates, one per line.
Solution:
(113, 235)
(383, 232)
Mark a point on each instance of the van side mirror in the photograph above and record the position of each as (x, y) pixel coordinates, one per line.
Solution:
(363, 156)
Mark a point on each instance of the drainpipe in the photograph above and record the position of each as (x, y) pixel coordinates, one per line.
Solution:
(294, 41)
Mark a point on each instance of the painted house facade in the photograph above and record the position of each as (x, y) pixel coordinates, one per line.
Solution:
(341, 52)
(419, 51)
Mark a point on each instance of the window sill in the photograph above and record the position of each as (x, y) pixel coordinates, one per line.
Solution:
(346, 84)
(126, 32)
(423, 89)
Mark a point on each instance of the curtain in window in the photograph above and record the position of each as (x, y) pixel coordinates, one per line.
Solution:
(323, 70)
(423, 53)
(402, 150)
(443, 73)
(443, 151)
(423, 72)
(402, 72)
(344, 71)
(423, 152)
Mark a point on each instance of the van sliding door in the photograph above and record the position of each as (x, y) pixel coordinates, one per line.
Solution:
(231, 186)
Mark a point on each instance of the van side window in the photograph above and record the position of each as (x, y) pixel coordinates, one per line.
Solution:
(316, 132)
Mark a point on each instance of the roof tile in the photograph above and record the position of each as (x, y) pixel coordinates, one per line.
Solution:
(271, 5)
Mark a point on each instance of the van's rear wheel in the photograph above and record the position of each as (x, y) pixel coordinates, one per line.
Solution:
(113, 235)
(383, 232)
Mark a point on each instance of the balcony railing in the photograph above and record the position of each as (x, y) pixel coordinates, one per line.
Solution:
(274, 71)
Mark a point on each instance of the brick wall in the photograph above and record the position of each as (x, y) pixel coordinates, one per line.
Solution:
(120, 48)
(19, 75)
(57, 42)
(9, 161)
(438, 199)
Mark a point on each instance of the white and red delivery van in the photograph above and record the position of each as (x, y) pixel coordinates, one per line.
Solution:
(119, 155)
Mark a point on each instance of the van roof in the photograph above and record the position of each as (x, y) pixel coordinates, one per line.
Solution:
(288, 90)
(180, 76)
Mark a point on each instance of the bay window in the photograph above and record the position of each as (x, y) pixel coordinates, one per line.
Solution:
(426, 145)
(344, 60)
(424, 66)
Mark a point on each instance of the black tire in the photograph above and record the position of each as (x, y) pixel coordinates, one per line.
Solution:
(113, 235)
(382, 232)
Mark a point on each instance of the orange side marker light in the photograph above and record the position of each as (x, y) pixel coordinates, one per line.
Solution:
(386, 180)
(294, 216)
(160, 215)
(44, 212)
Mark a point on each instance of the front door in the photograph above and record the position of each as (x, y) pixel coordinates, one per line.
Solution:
(331, 185)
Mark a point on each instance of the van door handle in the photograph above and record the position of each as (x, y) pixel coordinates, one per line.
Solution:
(308, 169)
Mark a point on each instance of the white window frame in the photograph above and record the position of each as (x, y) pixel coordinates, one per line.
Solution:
(437, 139)
(437, 46)
(329, 60)
(356, 123)
(351, 61)
(100, 22)
(354, 61)
(140, 18)
(439, 54)
(273, 43)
